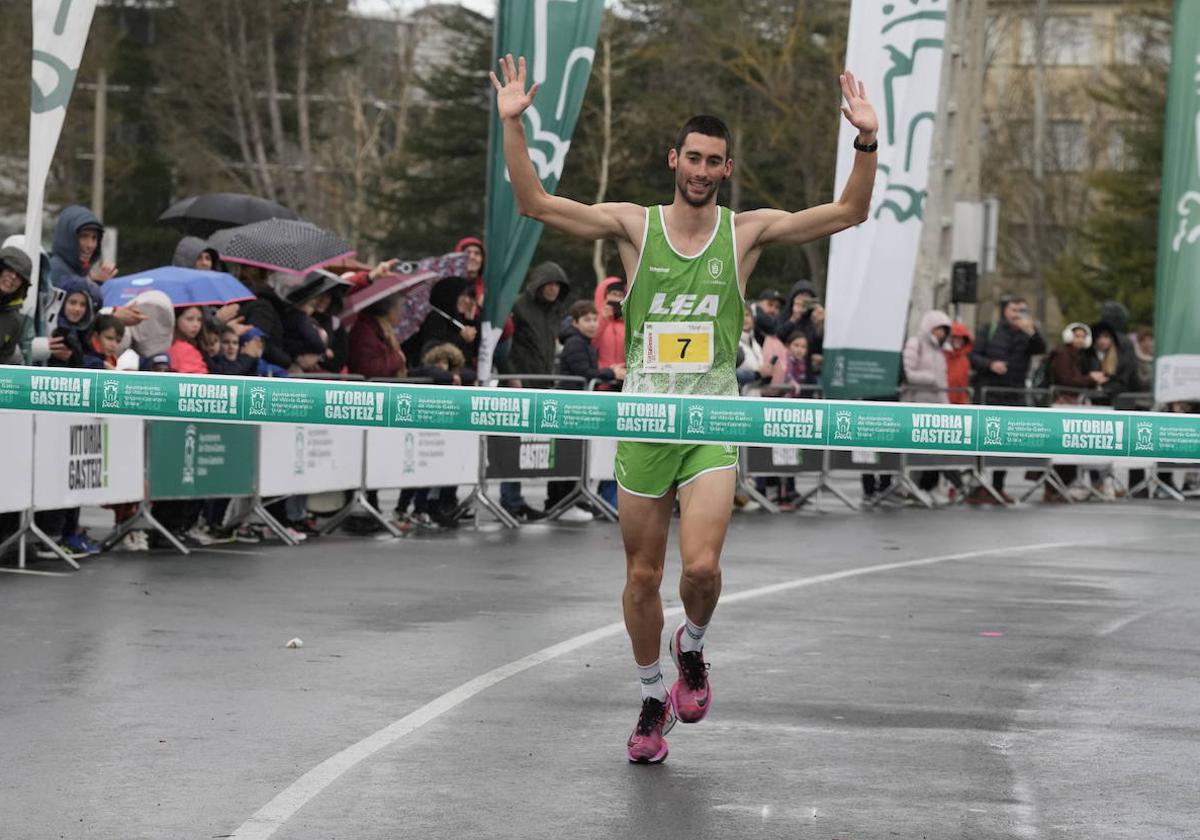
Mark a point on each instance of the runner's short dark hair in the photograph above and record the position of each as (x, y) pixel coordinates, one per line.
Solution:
(709, 126)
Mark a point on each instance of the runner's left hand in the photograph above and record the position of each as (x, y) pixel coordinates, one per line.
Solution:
(857, 109)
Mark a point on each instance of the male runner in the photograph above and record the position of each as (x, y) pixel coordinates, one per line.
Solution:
(687, 264)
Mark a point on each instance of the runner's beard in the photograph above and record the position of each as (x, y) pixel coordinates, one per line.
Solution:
(681, 184)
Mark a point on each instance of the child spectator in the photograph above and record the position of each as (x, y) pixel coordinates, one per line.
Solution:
(579, 356)
(254, 347)
(796, 342)
(104, 343)
(958, 364)
(74, 321)
(230, 361)
(185, 349)
(210, 336)
(442, 363)
(158, 363)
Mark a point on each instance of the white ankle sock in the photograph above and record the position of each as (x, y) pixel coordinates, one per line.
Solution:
(651, 679)
(692, 637)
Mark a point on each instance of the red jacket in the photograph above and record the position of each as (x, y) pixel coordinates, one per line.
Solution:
(958, 365)
(186, 358)
(609, 339)
(371, 354)
(507, 331)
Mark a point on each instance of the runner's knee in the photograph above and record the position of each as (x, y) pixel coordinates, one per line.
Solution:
(643, 579)
(703, 571)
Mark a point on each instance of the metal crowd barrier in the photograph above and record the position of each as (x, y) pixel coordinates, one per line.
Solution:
(479, 500)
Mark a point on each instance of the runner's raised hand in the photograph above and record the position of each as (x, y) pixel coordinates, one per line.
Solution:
(857, 109)
(511, 97)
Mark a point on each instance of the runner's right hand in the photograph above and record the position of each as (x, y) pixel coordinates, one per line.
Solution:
(511, 98)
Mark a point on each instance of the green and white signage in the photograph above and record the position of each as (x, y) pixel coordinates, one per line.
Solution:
(60, 29)
(201, 460)
(895, 48)
(1177, 288)
(558, 41)
(809, 424)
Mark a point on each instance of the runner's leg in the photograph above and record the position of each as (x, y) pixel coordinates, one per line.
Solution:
(705, 504)
(644, 525)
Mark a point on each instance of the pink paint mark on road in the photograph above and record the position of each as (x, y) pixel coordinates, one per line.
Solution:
(991, 634)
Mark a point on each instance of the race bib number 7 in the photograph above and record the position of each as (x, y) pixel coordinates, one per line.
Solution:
(677, 347)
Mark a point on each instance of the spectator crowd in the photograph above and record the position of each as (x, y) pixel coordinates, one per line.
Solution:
(295, 325)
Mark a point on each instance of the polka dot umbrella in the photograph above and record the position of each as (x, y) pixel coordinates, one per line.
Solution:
(281, 245)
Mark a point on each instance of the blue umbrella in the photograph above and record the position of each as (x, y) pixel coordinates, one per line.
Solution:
(184, 286)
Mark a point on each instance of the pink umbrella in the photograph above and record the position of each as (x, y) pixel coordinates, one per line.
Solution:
(414, 281)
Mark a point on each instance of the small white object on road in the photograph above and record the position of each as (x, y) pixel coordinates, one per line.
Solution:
(295, 643)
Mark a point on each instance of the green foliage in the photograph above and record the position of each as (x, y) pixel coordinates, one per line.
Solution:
(441, 178)
(1119, 238)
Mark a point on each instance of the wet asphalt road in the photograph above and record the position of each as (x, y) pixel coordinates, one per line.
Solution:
(1006, 692)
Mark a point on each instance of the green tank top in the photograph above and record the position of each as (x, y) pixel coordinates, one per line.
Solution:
(683, 315)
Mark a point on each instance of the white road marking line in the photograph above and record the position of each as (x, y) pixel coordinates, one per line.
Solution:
(1121, 623)
(291, 799)
(33, 572)
(209, 550)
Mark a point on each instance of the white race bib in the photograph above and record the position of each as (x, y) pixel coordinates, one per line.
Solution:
(677, 346)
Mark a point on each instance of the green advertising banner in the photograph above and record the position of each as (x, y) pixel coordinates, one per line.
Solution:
(558, 41)
(202, 460)
(811, 424)
(1177, 284)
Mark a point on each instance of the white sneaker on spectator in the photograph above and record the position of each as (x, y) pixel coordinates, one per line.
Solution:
(575, 514)
(298, 536)
(199, 534)
(135, 541)
(938, 497)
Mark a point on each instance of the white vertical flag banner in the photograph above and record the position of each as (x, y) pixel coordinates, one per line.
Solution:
(896, 49)
(60, 29)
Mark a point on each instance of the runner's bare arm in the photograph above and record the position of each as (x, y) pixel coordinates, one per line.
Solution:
(760, 228)
(588, 221)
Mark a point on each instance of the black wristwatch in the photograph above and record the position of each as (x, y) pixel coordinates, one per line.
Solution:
(873, 147)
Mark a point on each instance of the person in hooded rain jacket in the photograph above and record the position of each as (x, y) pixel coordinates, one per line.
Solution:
(75, 253)
(537, 318)
(958, 363)
(925, 361)
(194, 252)
(455, 297)
(16, 328)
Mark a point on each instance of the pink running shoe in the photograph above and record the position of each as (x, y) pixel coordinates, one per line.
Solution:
(646, 744)
(691, 695)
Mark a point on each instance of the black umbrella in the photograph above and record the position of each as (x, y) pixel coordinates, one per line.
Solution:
(282, 245)
(202, 215)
